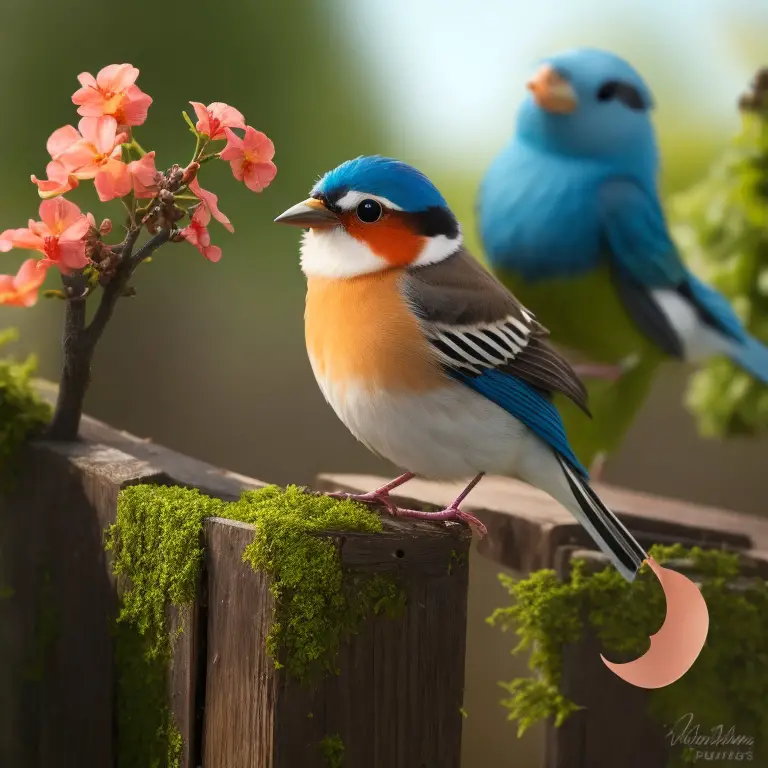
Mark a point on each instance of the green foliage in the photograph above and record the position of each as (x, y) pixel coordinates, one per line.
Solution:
(22, 412)
(721, 226)
(727, 685)
(157, 545)
(332, 750)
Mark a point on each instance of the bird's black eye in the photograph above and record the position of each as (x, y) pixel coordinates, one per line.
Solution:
(615, 90)
(369, 211)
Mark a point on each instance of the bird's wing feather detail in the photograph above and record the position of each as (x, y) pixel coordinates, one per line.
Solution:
(488, 341)
(645, 259)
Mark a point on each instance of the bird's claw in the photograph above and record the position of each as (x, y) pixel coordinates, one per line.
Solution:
(449, 513)
(381, 498)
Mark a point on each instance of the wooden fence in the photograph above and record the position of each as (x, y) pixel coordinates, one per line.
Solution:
(397, 700)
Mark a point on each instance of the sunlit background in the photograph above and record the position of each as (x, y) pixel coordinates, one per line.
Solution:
(209, 359)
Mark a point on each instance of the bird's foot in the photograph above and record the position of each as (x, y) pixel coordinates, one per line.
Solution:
(449, 513)
(378, 497)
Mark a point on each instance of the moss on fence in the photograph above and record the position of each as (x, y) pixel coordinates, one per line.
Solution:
(22, 412)
(158, 548)
(727, 685)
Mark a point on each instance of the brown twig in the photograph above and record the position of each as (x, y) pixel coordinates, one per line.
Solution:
(80, 340)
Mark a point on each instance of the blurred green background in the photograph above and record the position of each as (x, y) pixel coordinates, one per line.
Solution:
(209, 359)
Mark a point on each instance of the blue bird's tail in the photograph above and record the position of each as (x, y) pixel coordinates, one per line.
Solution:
(752, 356)
(603, 526)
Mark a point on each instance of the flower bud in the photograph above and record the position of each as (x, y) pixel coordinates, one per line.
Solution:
(105, 228)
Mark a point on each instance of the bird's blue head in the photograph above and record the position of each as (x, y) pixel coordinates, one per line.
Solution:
(370, 214)
(589, 104)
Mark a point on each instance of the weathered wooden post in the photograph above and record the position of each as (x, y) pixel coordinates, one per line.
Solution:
(396, 701)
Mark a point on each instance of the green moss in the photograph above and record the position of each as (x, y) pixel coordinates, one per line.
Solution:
(721, 226)
(22, 412)
(157, 544)
(332, 750)
(727, 685)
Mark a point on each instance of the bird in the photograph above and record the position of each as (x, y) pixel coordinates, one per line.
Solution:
(427, 358)
(571, 221)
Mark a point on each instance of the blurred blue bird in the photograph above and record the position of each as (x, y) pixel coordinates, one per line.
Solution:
(572, 223)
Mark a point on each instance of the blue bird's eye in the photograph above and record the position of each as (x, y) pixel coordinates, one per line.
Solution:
(369, 211)
(628, 95)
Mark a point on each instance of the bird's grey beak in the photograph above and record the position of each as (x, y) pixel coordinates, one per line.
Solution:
(552, 92)
(309, 214)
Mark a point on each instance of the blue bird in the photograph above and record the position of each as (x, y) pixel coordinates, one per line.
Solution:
(426, 358)
(571, 221)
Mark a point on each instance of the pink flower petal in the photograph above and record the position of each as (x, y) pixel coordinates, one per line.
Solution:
(210, 201)
(28, 240)
(58, 214)
(87, 80)
(76, 231)
(136, 106)
(116, 77)
(257, 145)
(257, 176)
(6, 240)
(72, 254)
(234, 148)
(113, 180)
(212, 253)
(203, 121)
(61, 140)
(101, 132)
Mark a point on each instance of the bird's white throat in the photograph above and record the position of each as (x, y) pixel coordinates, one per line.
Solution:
(336, 254)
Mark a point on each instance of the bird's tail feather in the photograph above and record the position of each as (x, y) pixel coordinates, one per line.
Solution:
(752, 356)
(603, 526)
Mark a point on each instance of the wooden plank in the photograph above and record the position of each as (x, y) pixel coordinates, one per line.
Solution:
(184, 470)
(56, 683)
(396, 702)
(526, 527)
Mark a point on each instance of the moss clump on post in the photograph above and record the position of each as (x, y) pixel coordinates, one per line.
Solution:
(158, 548)
(22, 412)
(332, 750)
(721, 226)
(728, 684)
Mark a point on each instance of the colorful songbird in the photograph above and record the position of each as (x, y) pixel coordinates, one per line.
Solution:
(426, 358)
(571, 221)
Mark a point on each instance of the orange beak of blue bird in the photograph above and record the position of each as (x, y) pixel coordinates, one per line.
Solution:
(552, 92)
(310, 214)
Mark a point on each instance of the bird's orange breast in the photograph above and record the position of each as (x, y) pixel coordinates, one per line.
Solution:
(359, 330)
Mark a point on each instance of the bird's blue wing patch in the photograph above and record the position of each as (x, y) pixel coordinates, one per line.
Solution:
(636, 233)
(526, 404)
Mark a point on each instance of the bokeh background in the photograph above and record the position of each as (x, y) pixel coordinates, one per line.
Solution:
(209, 359)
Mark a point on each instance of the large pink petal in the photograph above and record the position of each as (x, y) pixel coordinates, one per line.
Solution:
(210, 201)
(59, 181)
(112, 181)
(234, 148)
(28, 240)
(136, 106)
(6, 240)
(73, 254)
(203, 119)
(105, 133)
(78, 156)
(76, 231)
(58, 214)
(257, 145)
(212, 253)
(87, 80)
(201, 218)
(29, 277)
(259, 175)
(61, 140)
(116, 77)
(238, 167)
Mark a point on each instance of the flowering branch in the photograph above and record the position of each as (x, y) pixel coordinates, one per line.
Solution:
(103, 149)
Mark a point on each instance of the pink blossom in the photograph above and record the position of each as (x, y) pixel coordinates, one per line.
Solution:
(144, 176)
(21, 290)
(112, 93)
(60, 179)
(197, 234)
(210, 201)
(214, 119)
(250, 158)
(59, 236)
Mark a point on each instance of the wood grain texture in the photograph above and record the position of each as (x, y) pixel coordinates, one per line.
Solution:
(396, 702)
(56, 681)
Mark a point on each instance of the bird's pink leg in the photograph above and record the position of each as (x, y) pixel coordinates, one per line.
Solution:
(379, 496)
(451, 512)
